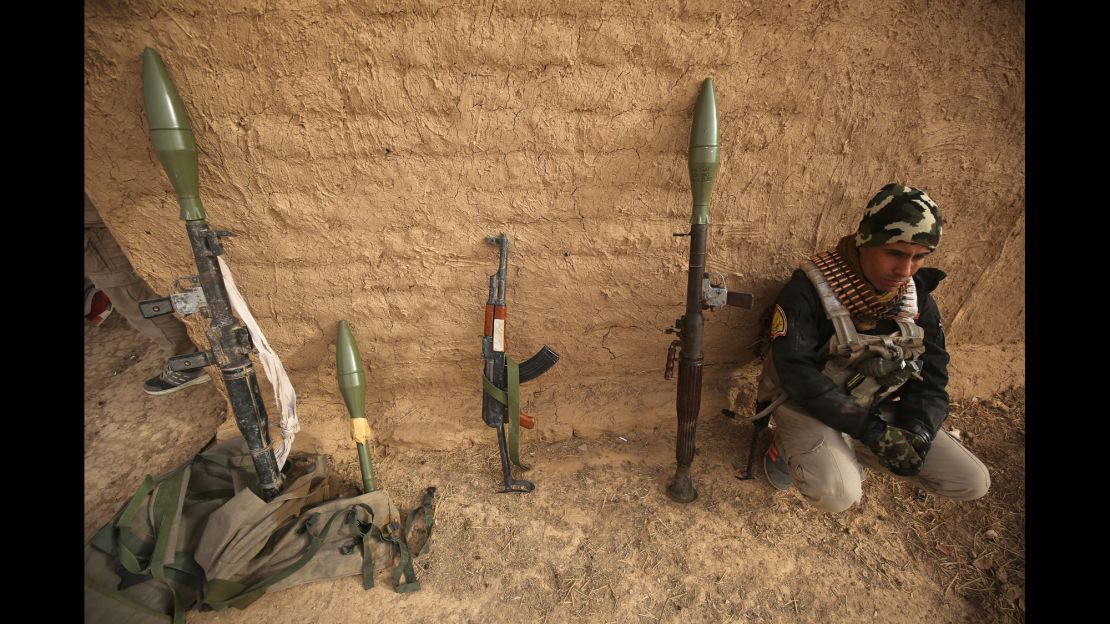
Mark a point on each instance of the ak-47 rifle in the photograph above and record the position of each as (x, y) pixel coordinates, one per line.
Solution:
(704, 160)
(502, 375)
(229, 340)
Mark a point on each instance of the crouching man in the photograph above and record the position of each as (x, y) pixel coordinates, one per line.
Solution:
(858, 364)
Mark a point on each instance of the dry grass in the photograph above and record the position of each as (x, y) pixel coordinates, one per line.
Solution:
(977, 549)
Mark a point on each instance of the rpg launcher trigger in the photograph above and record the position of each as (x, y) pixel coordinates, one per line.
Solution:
(187, 297)
(714, 296)
(502, 376)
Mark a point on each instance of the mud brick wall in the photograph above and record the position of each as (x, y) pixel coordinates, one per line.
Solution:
(362, 150)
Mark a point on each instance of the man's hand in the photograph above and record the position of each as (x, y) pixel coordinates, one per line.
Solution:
(900, 451)
(923, 436)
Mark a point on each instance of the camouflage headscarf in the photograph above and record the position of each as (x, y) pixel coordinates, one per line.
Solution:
(900, 214)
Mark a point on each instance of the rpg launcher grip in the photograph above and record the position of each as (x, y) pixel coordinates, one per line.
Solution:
(502, 375)
(230, 344)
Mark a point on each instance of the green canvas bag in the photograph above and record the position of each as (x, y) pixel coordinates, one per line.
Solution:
(200, 536)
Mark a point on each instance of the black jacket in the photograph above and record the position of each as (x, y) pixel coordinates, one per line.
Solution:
(800, 355)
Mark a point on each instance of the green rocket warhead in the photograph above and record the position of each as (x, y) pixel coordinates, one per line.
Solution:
(171, 134)
(705, 154)
(352, 385)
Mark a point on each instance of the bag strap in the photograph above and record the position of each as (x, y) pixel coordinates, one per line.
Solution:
(168, 498)
(141, 559)
(405, 565)
(245, 596)
(165, 508)
(138, 559)
(398, 538)
(360, 530)
(394, 536)
(429, 520)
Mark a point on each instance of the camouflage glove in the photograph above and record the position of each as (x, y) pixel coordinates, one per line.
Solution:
(922, 436)
(898, 450)
(889, 373)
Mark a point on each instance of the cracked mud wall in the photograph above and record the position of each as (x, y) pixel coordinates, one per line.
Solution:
(363, 149)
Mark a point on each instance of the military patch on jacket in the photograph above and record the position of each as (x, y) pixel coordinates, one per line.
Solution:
(778, 323)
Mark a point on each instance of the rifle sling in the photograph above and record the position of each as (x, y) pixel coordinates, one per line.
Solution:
(510, 398)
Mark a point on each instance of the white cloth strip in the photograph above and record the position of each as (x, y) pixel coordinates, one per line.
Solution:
(284, 395)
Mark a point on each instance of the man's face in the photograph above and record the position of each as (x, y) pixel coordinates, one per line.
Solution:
(889, 266)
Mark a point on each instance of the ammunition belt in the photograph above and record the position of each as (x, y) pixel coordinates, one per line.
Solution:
(857, 296)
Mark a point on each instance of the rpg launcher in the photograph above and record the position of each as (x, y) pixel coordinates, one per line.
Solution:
(503, 376)
(701, 292)
(229, 340)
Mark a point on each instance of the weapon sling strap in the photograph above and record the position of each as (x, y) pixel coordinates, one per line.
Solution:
(510, 398)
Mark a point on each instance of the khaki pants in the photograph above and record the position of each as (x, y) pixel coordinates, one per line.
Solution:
(826, 464)
(108, 269)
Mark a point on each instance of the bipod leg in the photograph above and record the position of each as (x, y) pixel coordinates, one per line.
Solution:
(757, 427)
(510, 484)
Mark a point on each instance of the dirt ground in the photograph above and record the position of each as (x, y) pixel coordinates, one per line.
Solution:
(598, 541)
